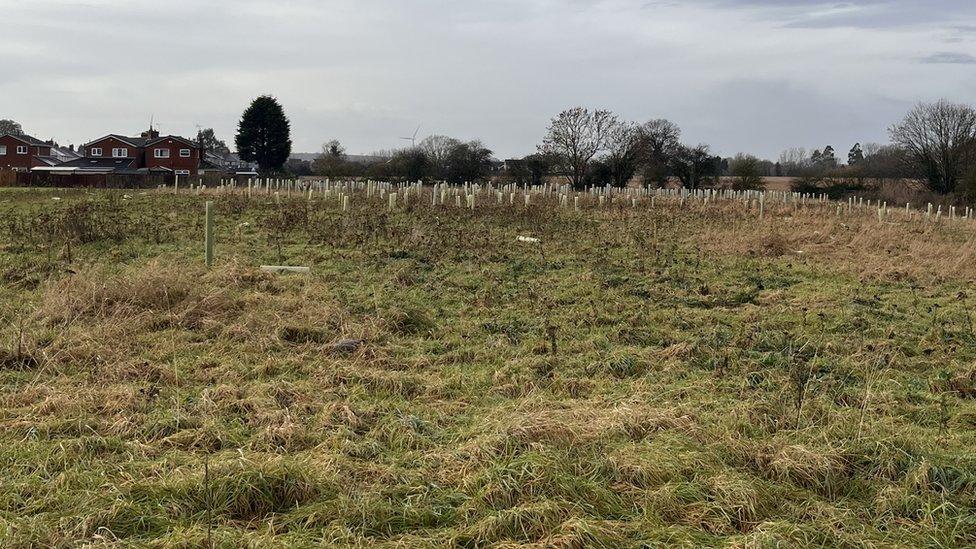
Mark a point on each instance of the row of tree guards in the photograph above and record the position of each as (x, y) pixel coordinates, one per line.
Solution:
(470, 195)
(399, 196)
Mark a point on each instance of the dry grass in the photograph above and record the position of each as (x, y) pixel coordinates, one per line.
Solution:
(406, 392)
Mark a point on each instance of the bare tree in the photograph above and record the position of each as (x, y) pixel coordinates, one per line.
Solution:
(660, 141)
(467, 162)
(331, 162)
(334, 149)
(939, 138)
(884, 162)
(793, 160)
(531, 170)
(747, 172)
(438, 148)
(624, 150)
(694, 165)
(574, 137)
(871, 148)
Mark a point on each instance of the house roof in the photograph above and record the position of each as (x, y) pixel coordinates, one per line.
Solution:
(48, 160)
(134, 141)
(26, 139)
(174, 137)
(100, 164)
(206, 165)
(66, 152)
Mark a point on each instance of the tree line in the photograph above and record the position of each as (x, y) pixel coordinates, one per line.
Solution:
(934, 144)
(587, 147)
(437, 158)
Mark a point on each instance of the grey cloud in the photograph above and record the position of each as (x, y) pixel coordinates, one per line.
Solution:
(873, 14)
(368, 71)
(769, 114)
(949, 58)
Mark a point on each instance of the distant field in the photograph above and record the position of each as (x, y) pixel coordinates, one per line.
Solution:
(681, 375)
(777, 183)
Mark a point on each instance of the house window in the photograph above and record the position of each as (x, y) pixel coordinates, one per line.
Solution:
(21, 149)
(120, 153)
(184, 153)
(182, 172)
(161, 153)
(3, 150)
(96, 151)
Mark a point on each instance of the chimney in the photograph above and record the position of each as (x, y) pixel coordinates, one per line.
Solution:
(151, 134)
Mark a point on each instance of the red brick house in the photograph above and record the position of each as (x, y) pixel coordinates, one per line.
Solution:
(149, 152)
(117, 146)
(23, 152)
(174, 153)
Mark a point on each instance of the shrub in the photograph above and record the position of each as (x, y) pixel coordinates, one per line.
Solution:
(746, 173)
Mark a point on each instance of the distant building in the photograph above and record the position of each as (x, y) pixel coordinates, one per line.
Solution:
(64, 154)
(513, 164)
(231, 163)
(118, 166)
(23, 152)
(148, 153)
(364, 159)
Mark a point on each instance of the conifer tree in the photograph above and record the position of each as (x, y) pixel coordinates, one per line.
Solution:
(264, 134)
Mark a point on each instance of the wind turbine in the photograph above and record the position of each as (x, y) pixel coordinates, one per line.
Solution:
(412, 140)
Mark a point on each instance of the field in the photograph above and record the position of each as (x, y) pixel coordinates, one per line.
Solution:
(686, 374)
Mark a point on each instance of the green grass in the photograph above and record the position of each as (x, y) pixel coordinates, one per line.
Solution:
(711, 385)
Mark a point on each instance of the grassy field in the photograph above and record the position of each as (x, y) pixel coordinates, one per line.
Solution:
(676, 376)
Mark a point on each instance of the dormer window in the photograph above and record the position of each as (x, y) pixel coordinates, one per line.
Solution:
(161, 153)
(96, 151)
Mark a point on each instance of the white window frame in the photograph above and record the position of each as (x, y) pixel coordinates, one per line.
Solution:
(3, 150)
(21, 149)
(161, 153)
(185, 153)
(182, 172)
(96, 151)
(124, 152)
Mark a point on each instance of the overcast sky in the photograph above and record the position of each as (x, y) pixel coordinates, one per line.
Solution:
(741, 75)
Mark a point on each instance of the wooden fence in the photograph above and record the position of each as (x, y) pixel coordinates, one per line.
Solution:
(10, 178)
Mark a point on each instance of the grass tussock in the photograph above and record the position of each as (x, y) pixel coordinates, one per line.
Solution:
(165, 295)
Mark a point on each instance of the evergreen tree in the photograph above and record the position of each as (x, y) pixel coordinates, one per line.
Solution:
(264, 134)
(828, 156)
(856, 156)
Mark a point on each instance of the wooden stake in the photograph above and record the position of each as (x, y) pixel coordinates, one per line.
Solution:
(209, 234)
